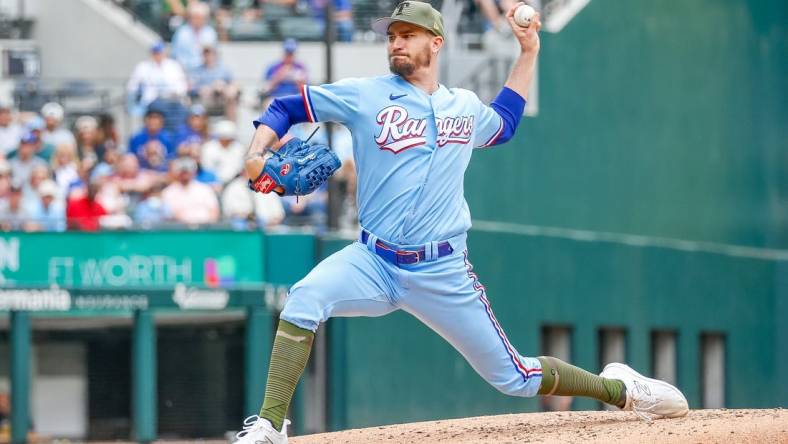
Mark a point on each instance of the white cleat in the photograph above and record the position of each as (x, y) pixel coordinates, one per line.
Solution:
(259, 430)
(648, 398)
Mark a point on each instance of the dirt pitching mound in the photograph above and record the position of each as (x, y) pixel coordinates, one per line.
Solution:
(699, 426)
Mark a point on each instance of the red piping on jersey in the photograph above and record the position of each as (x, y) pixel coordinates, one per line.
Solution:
(495, 136)
(309, 114)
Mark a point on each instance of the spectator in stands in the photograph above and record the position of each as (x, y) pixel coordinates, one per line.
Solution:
(107, 134)
(10, 132)
(88, 145)
(35, 124)
(155, 78)
(107, 164)
(153, 130)
(64, 166)
(14, 215)
(193, 148)
(79, 188)
(196, 126)
(25, 160)
(343, 17)
(35, 129)
(132, 181)
(245, 209)
(48, 211)
(191, 37)
(38, 175)
(110, 197)
(83, 212)
(224, 155)
(286, 76)
(191, 202)
(213, 84)
(152, 210)
(154, 157)
(54, 134)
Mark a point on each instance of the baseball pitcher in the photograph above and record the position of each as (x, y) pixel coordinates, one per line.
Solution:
(412, 141)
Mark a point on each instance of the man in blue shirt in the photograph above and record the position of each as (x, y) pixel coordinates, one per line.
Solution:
(153, 129)
(286, 76)
(49, 211)
(343, 17)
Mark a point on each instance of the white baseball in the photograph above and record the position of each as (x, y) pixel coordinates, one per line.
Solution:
(523, 15)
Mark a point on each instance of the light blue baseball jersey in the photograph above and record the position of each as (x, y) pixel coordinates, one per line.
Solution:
(411, 151)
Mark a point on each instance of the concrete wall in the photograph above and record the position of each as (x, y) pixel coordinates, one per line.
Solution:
(88, 39)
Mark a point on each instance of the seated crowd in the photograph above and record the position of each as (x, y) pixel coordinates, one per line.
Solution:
(182, 20)
(53, 180)
(181, 167)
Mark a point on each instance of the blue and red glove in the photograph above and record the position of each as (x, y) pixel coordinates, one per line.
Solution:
(298, 167)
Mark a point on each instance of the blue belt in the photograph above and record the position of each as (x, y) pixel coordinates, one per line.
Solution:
(396, 256)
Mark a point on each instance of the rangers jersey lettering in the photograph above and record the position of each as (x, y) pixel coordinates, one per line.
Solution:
(411, 151)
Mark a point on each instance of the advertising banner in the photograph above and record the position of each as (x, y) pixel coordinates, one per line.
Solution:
(208, 259)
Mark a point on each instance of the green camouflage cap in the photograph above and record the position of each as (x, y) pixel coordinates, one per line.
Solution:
(416, 13)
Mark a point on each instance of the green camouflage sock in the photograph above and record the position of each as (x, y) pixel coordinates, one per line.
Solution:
(562, 379)
(289, 356)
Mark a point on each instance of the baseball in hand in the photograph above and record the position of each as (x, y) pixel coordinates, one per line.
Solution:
(523, 15)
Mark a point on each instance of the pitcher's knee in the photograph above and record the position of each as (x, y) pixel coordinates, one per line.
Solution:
(303, 308)
(515, 388)
(521, 383)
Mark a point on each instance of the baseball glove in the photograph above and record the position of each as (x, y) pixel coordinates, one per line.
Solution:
(298, 167)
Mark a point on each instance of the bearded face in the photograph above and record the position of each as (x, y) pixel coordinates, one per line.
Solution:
(410, 48)
(405, 63)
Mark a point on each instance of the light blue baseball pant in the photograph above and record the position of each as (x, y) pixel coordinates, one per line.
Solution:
(444, 294)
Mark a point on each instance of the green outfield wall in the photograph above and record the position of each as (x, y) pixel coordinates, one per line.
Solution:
(657, 118)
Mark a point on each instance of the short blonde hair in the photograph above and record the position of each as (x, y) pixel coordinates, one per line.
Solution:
(67, 147)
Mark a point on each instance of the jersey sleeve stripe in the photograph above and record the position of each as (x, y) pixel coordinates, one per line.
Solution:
(308, 107)
(495, 136)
